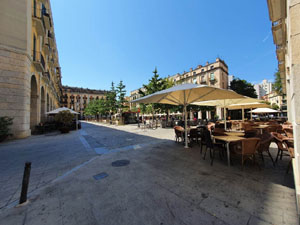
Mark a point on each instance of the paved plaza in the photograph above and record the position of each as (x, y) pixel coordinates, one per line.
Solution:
(163, 183)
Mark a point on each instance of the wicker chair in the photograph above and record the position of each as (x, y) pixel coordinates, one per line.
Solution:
(282, 149)
(193, 135)
(249, 146)
(265, 140)
(179, 133)
(212, 146)
(289, 144)
(289, 132)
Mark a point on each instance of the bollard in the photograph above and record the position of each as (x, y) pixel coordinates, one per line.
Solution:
(25, 183)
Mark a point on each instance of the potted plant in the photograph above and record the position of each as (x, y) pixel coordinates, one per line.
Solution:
(64, 119)
(5, 122)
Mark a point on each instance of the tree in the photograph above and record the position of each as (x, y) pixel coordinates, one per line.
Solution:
(275, 106)
(120, 94)
(155, 84)
(111, 100)
(277, 86)
(243, 87)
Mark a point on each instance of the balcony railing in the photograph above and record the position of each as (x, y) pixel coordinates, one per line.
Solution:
(38, 60)
(38, 20)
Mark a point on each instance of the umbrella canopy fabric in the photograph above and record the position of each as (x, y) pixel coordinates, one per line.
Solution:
(264, 110)
(251, 105)
(224, 103)
(186, 94)
(56, 111)
(227, 102)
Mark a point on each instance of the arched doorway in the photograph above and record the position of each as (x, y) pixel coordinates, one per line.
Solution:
(43, 105)
(33, 103)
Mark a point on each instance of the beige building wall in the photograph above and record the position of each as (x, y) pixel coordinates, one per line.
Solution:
(78, 98)
(285, 17)
(30, 79)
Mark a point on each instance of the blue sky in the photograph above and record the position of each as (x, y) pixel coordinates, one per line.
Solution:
(113, 40)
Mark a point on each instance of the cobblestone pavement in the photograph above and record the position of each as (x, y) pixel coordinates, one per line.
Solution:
(54, 154)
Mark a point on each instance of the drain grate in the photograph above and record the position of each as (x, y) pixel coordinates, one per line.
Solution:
(119, 163)
(100, 176)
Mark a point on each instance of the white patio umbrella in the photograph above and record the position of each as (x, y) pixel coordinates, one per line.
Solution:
(56, 111)
(224, 103)
(186, 94)
(244, 106)
(264, 110)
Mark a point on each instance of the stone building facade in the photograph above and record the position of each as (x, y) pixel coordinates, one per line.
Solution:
(285, 17)
(212, 74)
(30, 75)
(78, 98)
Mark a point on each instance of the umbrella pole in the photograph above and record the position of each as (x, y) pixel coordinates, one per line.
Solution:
(185, 127)
(225, 124)
(76, 121)
(251, 114)
(243, 114)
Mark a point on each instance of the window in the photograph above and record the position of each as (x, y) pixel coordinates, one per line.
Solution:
(195, 81)
(211, 67)
(194, 73)
(202, 70)
(212, 76)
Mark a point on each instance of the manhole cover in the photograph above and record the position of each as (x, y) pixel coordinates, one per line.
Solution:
(119, 163)
(100, 176)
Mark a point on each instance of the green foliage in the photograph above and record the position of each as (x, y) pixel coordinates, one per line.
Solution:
(155, 84)
(277, 86)
(5, 122)
(120, 94)
(64, 118)
(111, 100)
(275, 106)
(243, 87)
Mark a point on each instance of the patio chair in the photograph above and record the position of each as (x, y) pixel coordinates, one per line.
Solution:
(251, 133)
(218, 132)
(212, 146)
(282, 149)
(249, 146)
(179, 133)
(265, 140)
(289, 132)
(289, 144)
(193, 135)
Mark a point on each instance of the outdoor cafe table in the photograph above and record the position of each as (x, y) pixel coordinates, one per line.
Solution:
(234, 133)
(260, 127)
(228, 140)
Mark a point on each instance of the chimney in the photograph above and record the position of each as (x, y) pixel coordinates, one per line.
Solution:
(199, 66)
(217, 59)
(191, 69)
(207, 63)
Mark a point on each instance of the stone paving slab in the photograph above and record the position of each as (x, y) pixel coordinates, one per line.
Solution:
(163, 184)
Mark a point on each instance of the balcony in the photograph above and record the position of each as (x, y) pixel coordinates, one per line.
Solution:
(46, 18)
(38, 21)
(38, 61)
(277, 9)
(46, 47)
(279, 33)
(51, 39)
(280, 52)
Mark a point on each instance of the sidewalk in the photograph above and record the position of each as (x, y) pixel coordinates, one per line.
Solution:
(163, 184)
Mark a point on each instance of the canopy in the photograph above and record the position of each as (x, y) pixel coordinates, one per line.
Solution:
(264, 110)
(248, 105)
(225, 103)
(56, 111)
(186, 94)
